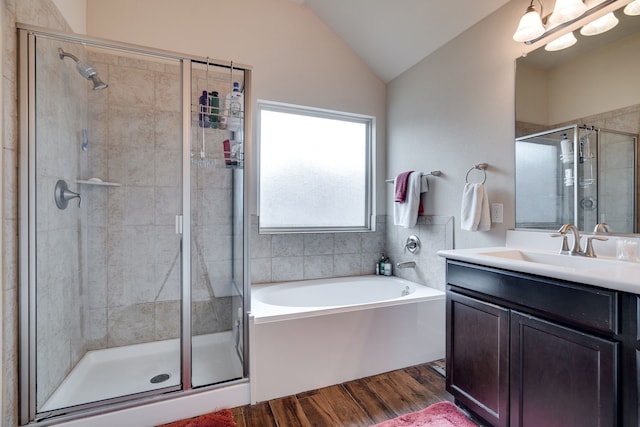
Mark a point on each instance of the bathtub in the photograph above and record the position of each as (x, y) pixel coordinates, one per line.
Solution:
(315, 333)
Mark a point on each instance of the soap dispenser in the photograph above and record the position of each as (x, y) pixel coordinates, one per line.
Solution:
(381, 265)
(387, 267)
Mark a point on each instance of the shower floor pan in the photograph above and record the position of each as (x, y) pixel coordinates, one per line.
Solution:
(120, 371)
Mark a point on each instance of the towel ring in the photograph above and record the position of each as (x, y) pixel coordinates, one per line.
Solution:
(479, 166)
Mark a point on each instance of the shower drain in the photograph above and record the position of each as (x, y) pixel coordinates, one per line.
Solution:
(160, 378)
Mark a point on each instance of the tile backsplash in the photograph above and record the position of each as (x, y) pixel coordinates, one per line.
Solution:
(287, 257)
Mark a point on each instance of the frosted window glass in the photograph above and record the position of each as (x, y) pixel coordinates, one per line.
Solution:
(314, 170)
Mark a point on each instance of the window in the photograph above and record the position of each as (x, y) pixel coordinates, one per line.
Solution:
(316, 169)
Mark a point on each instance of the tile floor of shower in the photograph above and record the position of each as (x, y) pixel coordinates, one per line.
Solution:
(121, 371)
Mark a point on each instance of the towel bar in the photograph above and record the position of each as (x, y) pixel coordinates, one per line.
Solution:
(432, 173)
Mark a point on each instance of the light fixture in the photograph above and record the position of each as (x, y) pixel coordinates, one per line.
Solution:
(529, 31)
(633, 8)
(530, 26)
(566, 10)
(562, 42)
(600, 25)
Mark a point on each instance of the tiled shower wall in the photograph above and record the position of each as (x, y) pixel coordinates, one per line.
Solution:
(42, 13)
(134, 250)
(61, 111)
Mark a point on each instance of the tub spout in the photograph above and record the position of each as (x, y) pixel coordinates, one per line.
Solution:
(407, 264)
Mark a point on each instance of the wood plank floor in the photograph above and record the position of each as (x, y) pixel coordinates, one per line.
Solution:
(358, 403)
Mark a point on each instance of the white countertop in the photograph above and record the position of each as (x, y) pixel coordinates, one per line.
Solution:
(605, 271)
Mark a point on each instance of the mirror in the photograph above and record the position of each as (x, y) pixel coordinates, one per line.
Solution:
(589, 95)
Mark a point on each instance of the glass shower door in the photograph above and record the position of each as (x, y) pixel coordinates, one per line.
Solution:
(107, 178)
(132, 225)
(217, 227)
(545, 179)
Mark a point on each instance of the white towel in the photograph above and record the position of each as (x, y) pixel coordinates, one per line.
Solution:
(406, 214)
(474, 214)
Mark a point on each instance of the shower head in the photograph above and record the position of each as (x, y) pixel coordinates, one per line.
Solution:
(86, 70)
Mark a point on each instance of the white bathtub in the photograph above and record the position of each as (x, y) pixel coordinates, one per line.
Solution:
(310, 334)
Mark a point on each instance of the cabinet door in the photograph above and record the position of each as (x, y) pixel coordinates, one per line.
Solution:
(477, 357)
(560, 377)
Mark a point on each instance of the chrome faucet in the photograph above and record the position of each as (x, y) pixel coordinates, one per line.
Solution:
(601, 227)
(575, 249)
(407, 264)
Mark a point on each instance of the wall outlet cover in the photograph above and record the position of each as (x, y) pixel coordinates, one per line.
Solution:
(496, 213)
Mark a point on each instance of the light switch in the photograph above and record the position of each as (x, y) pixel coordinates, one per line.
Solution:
(496, 213)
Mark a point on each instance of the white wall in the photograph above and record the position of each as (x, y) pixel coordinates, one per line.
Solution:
(456, 109)
(532, 100)
(601, 80)
(609, 76)
(75, 13)
(296, 58)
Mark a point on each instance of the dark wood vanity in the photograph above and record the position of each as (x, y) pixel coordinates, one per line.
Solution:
(531, 351)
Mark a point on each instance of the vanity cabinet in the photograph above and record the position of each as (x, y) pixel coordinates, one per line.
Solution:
(527, 351)
(478, 356)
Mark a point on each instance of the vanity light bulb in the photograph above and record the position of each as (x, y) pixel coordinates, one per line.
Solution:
(562, 42)
(566, 10)
(600, 25)
(530, 26)
(633, 8)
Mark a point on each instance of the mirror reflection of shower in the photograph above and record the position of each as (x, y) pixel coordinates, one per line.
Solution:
(86, 70)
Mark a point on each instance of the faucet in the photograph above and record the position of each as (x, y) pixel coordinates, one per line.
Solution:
(575, 249)
(407, 264)
(601, 227)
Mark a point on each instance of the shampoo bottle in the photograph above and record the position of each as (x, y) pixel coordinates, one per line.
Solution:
(203, 118)
(233, 107)
(214, 109)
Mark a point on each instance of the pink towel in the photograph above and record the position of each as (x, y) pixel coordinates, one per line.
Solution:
(401, 186)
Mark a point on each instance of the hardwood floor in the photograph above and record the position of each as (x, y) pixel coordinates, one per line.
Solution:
(356, 403)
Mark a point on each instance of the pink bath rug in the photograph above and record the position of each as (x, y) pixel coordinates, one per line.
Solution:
(443, 414)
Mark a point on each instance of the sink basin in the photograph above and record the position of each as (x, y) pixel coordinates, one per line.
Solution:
(559, 260)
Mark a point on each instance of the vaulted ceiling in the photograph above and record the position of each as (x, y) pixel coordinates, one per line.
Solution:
(393, 35)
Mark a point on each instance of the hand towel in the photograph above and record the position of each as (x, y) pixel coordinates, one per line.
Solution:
(424, 187)
(400, 184)
(406, 214)
(474, 213)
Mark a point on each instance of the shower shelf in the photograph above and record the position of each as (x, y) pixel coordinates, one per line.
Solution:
(96, 181)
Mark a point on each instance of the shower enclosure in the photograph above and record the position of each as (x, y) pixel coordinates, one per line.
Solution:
(132, 230)
(577, 174)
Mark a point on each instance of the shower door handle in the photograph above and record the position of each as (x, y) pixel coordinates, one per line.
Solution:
(179, 224)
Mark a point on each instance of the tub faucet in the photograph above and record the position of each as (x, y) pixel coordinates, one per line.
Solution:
(575, 249)
(407, 264)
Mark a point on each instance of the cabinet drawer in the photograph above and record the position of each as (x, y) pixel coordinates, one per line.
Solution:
(582, 305)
